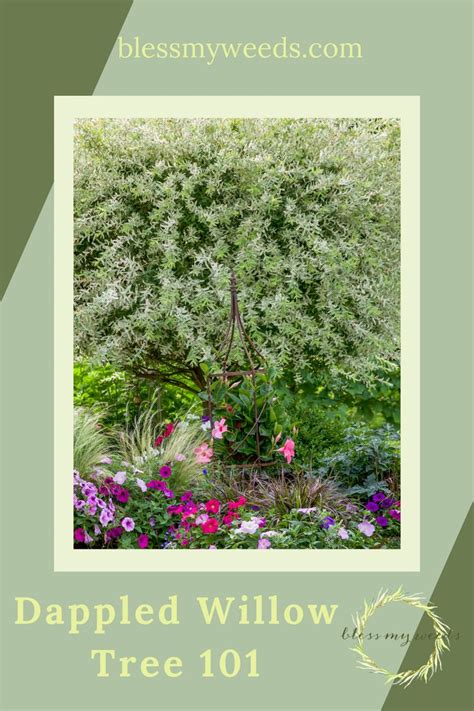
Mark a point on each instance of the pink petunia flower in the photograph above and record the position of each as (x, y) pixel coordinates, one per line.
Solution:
(128, 523)
(212, 506)
(264, 543)
(210, 526)
(342, 533)
(366, 528)
(203, 454)
(219, 428)
(288, 450)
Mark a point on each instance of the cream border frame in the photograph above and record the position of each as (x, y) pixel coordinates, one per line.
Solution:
(67, 109)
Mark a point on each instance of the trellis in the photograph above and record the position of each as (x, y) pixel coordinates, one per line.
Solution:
(257, 363)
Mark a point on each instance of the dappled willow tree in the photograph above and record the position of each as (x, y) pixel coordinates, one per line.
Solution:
(306, 212)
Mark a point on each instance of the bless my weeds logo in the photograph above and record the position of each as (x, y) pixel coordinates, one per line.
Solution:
(441, 631)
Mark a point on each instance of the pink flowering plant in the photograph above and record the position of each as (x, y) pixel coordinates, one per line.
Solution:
(166, 498)
(236, 404)
(121, 510)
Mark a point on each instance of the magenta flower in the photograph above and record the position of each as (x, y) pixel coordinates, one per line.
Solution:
(212, 506)
(203, 454)
(143, 540)
(187, 496)
(79, 535)
(366, 528)
(219, 428)
(128, 524)
(156, 484)
(175, 509)
(288, 450)
(165, 471)
(395, 514)
(123, 496)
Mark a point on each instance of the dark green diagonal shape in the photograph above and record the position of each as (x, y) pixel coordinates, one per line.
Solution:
(53, 47)
(451, 688)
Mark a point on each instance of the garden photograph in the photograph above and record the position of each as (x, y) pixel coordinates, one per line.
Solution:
(236, 334)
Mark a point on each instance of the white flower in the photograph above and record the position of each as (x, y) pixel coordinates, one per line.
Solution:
(270, 534)
(120, 477)
(248, 526)
(206, 425)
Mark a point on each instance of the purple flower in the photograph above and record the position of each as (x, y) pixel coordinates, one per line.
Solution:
(264, 543)
(327, 522)
(379, 496)
(386, 503)
(165, 471)
(187, 496)
(88, 489)
(352, 508)
(152, 522)
(382, 521)
(79, 504)
(115, 532)
(106, 517)
(395, 514)
(168, 493)
(128, 523)
(371, 506)
(204, 471)
(205, 418)
(366, 528)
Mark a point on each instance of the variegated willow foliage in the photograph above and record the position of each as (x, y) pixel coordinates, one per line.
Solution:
(305, 211)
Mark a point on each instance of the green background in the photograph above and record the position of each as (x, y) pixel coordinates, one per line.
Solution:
(419, 48)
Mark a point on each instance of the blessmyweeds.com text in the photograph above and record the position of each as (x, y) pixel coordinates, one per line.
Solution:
(211, 52)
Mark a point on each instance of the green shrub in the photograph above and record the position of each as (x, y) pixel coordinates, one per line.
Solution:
(122, 397)
(366, 455)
